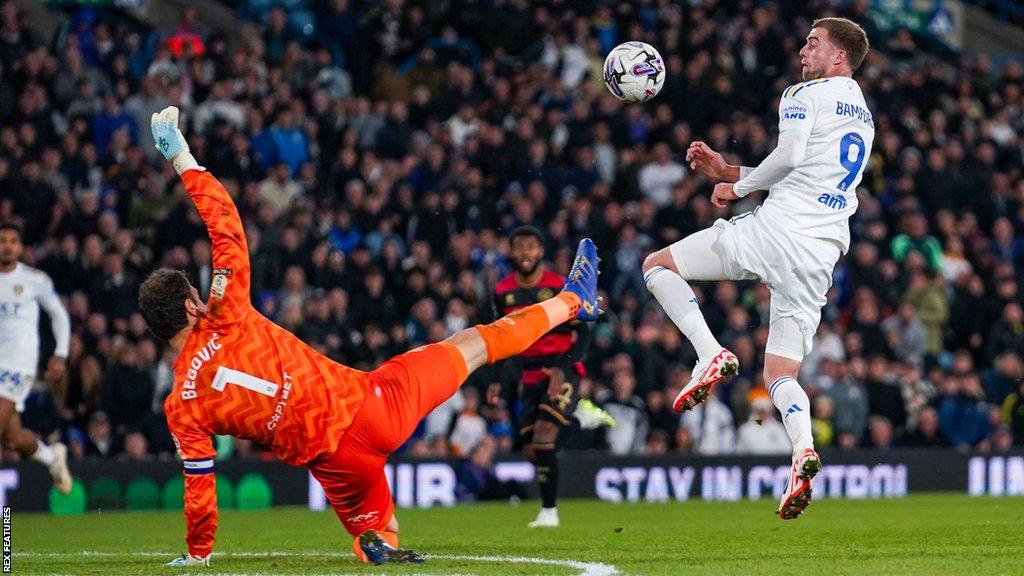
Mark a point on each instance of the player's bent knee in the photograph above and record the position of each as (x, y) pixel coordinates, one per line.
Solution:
(472, 346)
(776, 367)
(661, 258)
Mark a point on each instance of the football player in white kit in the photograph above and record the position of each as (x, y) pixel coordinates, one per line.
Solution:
(23, 290)
(791, 242)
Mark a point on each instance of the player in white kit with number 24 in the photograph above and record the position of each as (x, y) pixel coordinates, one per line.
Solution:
(23, 290)
(791, 242)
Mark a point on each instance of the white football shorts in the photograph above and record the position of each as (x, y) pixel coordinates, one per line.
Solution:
(796, 268)
(16, 386)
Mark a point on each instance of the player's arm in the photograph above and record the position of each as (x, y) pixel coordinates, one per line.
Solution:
(796, 119)
(705, 161)
(229, 291)
(60, 322)
(196, 450)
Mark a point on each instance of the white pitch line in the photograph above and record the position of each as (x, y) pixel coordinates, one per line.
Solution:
(585, 568)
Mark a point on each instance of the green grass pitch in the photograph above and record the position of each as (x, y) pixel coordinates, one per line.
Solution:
(935, 534)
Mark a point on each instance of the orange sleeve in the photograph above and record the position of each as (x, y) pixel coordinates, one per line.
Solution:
(229, 288)
(196, 450)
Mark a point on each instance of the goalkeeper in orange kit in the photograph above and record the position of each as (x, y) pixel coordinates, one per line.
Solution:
(238, 373)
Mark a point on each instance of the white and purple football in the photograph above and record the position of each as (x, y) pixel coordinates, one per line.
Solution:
(634, 72)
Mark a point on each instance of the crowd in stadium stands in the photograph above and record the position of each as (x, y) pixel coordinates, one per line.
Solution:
(379, 153)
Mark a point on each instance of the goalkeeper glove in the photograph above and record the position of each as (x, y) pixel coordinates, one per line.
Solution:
(169, 140)
(188, 560)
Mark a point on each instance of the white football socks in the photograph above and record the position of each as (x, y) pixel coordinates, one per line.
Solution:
(680, 303)
(791, 400)
(43, 454)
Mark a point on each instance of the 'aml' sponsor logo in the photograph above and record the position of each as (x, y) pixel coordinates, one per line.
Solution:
(833, 201)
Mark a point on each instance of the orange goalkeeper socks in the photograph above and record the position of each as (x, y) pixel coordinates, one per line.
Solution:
(516, 332)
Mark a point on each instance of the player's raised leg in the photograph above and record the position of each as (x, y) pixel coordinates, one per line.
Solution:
(425, 377)
(783, 356)
(408, 387)
(696, 258)
(510, 335)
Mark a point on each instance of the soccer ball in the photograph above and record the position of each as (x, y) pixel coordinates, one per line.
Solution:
(634, 72)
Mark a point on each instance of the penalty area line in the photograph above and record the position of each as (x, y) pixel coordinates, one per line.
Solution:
(583, 568)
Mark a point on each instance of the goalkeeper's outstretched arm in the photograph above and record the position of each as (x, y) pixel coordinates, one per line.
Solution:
(229, 290)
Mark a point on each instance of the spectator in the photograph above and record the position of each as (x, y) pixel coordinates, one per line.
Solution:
(440, 421)
(1007, 335)
(884, 395)
(880, 432)
(1005, 245)
(1013, 413)
(561, 54)
(915, 238)
(136, 447)
(470, 428)
(102, 442)
(963, 414)
(279, 190)
(762, 433)
(476, 479)
(851, 399)
(927, 434)
(630, 432)
(955, 264)
(906, 335)
(127, 391)
(999, 383)
(108, 121)
(657, 442)
(711, 426)
(931, 306)
(290, 143)
(822, 426)
(659, 176)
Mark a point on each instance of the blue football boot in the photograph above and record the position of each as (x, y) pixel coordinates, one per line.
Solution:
(582, 280)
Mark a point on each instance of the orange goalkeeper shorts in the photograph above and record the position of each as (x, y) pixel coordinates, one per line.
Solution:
(399, 394)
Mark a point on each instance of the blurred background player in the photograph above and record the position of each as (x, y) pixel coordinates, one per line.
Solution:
(237, 373)
(791, 242)
(548, 372)
(23, 290)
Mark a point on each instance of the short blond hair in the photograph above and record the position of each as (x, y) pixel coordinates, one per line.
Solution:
(848, 36)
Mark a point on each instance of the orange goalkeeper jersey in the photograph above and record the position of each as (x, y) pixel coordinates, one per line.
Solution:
(240, 374)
